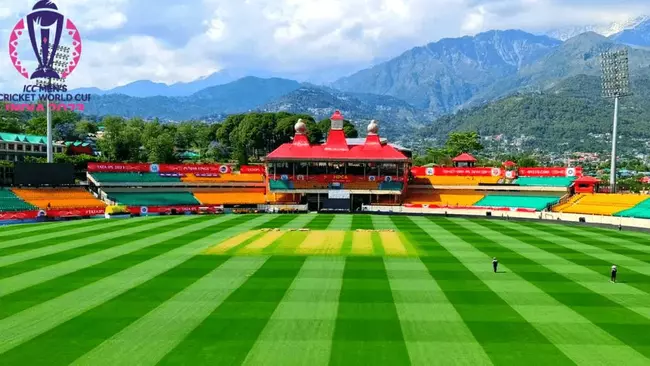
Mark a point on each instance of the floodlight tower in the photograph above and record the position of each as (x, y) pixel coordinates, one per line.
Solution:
(616, 84)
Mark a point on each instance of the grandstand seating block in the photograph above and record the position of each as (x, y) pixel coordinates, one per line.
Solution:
(154, 198)
(9, 202)
(532, 202)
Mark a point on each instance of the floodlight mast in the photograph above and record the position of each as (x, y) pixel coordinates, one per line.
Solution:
(616, 84)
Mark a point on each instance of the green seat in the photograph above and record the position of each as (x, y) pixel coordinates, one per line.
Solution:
(391, 186)
(132, 178)
(640, 211)
(9, 202)
(545, 181)
(533, 202)
(154, 198)
(280, 185)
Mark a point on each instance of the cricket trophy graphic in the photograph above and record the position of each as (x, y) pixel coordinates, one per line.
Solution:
(55, 43)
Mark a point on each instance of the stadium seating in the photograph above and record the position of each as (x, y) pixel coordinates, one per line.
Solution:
(132, 178)
(533, 202)
(361, 185)
(454, 180)
(284, 185)
(640, 211)
(9, 202)
(448, 198)
(301, 184)
(154, 198)
(281, 198)
(231, 197)
(59, 198)
(601, 204)
(391, 186)
(544, 181)
(225, 178)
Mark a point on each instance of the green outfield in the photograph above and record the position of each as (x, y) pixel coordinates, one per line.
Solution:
(322, 290)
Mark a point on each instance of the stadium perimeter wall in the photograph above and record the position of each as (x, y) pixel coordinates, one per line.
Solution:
(549, 216)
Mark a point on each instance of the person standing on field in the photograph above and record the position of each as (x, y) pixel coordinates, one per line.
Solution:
(614, 270)
(495, 264)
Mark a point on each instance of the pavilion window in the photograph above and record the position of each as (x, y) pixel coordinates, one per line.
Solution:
(355, 168)
(302, 168)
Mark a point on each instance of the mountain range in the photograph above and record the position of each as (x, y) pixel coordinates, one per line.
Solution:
(406, 92)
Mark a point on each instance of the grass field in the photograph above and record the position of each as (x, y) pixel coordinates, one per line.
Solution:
(350, 290)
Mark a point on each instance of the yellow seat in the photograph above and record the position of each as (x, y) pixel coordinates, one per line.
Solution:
(449, 198)
(58, 198)
(231, 197)
(600, 203)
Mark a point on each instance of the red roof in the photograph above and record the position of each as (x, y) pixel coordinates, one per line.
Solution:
(509, 163)
(464, 158)
(586, 179)
(337, 116)
(336, 149)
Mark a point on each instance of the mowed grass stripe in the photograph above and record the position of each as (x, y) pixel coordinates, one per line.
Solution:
(506, 337)
(48, 289)
(362, 243)
(261, 244)
(640, 252)
(334, 244)
(640, 237)
(227, 335)
(149, 338)
(312, 242)
(133, 243)
(52, 237)
(392, 244)
(341, 222)
(368, 330)
(320, 222)
(382, 222)
(363, 222)
(614, 319)
(110, 240)
(80, 242)
(637, 274)
(36, 320)
(574, 334)
(434, 332)
(582, 279)
(29, 230)
(72, 339)
(234, 242)
(299, 221)
(301, 328)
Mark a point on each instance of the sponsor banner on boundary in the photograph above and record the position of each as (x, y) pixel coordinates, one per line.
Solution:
(420, 171)
(21, 215)
(76, 212)
(550, 172)
(118, 167)
(137, 210)
(194, 168)
(159, 168)
(252, 169)
(338, 178)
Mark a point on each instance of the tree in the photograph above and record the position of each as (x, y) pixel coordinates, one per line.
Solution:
(463, 142)
(85, 127)
(122, 140)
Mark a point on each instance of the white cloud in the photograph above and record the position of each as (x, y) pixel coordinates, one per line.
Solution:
(128, 40)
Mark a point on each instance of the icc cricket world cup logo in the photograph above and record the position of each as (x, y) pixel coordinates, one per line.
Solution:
(55, 44)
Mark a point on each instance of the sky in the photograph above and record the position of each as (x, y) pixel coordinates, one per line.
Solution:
(308, 40)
